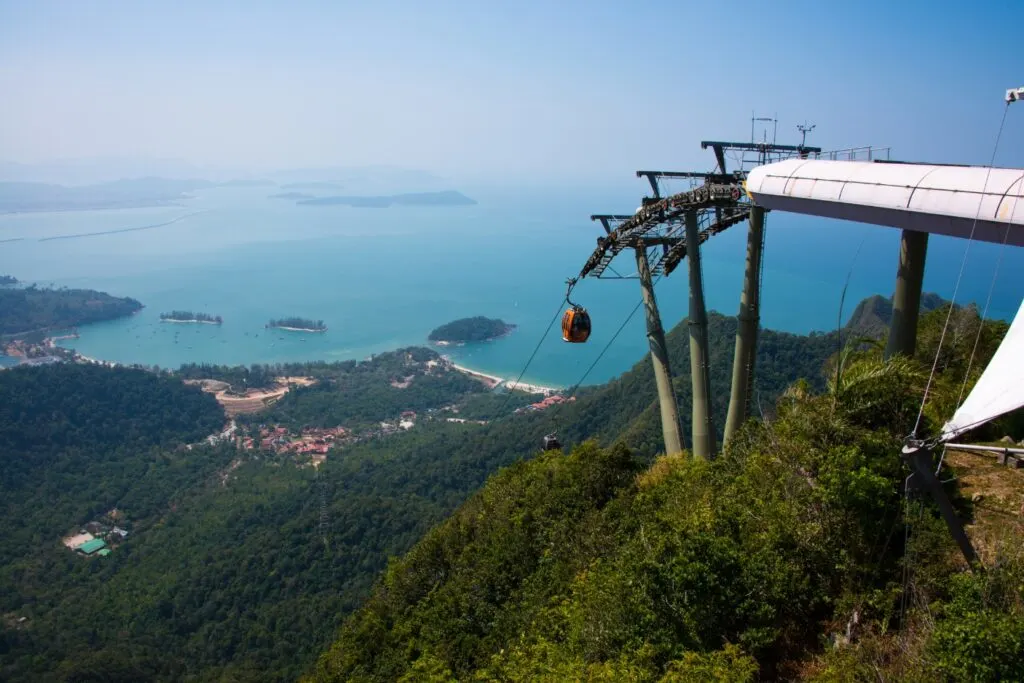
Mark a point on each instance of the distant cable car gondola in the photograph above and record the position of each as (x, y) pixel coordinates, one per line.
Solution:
(551, 443)
(576, 325)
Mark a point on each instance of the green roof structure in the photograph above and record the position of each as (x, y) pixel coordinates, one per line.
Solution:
(89, 547)
(104, 552)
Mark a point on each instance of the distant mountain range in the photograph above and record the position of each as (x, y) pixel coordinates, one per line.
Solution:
(120, 194)
(118, 184)
(77, 172)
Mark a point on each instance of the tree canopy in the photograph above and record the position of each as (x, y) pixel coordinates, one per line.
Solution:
(475, 329)
(32, 308)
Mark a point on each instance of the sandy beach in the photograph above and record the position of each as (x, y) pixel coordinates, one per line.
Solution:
(294, 329)
(190, 322)
(493, 381)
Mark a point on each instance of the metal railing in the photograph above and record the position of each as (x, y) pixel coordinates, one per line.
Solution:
(868, 153)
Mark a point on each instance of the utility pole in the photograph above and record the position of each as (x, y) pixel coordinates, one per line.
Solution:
(659, 355)
(703, 427)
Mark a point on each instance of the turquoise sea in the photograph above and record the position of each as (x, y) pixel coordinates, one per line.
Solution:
(383, 278)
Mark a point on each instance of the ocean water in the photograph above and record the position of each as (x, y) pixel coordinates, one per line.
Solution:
(383, 278)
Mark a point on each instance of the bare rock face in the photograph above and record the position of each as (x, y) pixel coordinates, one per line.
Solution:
(1008, 440)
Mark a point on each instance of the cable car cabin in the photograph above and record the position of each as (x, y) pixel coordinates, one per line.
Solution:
(551, 443)
(576, 325)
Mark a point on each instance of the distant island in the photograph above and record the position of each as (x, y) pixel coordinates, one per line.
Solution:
(18, 197)
(446, 198)
(190, 317)
(8, 280)
(292, 195)
(311, 186)
(465, 330)
(298, 325)
(32, 309)
(246, 182)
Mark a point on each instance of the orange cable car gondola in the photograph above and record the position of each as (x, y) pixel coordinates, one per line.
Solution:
(576, 320)
(576, 325)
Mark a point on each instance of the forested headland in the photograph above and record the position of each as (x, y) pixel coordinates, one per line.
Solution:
(475, 329)
(27, 309)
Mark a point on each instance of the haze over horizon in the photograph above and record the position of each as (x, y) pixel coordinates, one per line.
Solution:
(579, 92)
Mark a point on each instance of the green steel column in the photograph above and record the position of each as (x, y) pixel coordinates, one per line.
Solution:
(906, 301)
(703, 429)
(746, 331)
(659, 356)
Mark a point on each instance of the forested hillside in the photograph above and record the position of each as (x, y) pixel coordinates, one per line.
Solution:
(597, 566)
(228, 574)
(78, 442)
(242, 565)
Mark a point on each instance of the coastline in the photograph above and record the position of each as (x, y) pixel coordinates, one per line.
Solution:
(203, 322)
(294, 329)
(510, 328)
(494, 381)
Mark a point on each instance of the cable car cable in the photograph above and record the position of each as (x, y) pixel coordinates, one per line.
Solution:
(959, 277)
(575, 387)
(558, 313)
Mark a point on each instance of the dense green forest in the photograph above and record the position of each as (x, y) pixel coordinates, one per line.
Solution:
(240, 377)
(602, 566)
(33, 308)
(352, 393)
(189, 316)
(475, 329)
(299, 324)
(232, 579)
(229, 573)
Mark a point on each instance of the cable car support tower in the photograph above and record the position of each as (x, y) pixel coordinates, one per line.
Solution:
(664, 231)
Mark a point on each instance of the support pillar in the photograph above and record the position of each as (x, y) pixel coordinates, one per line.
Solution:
(659, 356)
(906, 300)
(749, 319)
(921, 462)
(703, 428)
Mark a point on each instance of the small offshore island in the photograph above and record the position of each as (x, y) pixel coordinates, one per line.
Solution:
(298, 325)
(294, 196)
(446, 198)
(467, 330)
(190, 317)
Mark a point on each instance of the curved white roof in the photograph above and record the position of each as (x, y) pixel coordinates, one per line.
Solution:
(923, 197)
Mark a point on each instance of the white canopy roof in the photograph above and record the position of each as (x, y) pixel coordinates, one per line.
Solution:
(923, 197)
(1000, 388)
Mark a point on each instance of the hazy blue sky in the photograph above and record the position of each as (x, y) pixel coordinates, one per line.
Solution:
(592, 89)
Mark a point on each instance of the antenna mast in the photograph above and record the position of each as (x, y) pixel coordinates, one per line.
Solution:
(804, 130)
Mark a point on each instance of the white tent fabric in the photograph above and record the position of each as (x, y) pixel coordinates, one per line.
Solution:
(1000, 388)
